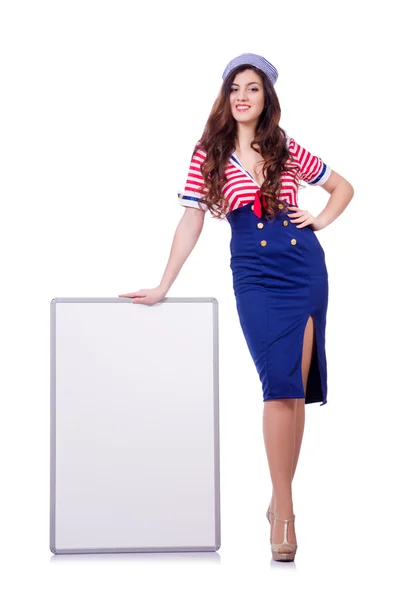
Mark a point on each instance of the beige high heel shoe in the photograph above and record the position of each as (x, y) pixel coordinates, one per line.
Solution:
(270, 514)
(287, 556)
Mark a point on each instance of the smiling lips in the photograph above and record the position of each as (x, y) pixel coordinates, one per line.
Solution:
(242, 107)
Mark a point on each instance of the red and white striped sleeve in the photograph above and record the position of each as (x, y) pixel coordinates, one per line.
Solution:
(312, 168)
(190, 195)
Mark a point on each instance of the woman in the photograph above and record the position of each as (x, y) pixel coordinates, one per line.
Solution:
(245, 167)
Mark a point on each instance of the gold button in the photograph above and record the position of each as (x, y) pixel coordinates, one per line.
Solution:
(281, 206)
(252, 207)
(293, 242)
(263, 243)
(285, 223)
(259, 225)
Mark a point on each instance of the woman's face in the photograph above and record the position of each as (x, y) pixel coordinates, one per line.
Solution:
(247, 89)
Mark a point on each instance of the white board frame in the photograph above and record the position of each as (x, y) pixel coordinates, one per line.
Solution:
(134, 467)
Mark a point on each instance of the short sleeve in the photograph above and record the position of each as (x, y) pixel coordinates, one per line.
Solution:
(190, 194)
(312, 168)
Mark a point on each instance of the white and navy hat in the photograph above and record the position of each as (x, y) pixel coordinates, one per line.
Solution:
(254, 60)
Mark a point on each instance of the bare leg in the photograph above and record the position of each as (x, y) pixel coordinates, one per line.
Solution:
(283, 427)
(308, 344)
(279, 437)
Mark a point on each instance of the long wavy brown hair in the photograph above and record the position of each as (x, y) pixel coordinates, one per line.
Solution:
(218, 141)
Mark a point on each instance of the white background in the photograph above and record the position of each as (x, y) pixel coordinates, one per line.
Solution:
(101, 104)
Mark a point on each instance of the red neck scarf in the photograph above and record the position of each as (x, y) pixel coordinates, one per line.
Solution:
(259, 201)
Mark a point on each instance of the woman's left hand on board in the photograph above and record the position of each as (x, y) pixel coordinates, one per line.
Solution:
(303, 217)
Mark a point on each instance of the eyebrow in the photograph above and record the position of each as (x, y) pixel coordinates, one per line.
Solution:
(247, 83)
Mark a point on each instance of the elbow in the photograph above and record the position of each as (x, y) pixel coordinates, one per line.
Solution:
(347, 188)
(350, 189)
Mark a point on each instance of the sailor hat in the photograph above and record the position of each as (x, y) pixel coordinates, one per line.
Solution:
(255, 60)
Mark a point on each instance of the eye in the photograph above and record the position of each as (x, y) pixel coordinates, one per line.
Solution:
(255, 89)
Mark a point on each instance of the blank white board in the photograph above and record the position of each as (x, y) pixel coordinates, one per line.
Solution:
(134, 425)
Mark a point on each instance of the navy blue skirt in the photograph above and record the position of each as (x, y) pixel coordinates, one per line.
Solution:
(279, 279)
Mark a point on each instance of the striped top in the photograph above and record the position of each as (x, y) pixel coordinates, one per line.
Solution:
(241, 188)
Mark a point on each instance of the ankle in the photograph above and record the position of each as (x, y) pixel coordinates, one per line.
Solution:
(284, 512)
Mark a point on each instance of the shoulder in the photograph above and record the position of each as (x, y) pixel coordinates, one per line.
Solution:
(198, 152)
(292, 145)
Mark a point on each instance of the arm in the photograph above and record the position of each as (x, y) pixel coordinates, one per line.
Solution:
(341, 193)
(186, 235)
(315, 171)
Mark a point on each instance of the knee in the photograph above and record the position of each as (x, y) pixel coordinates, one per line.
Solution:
(280, 405)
